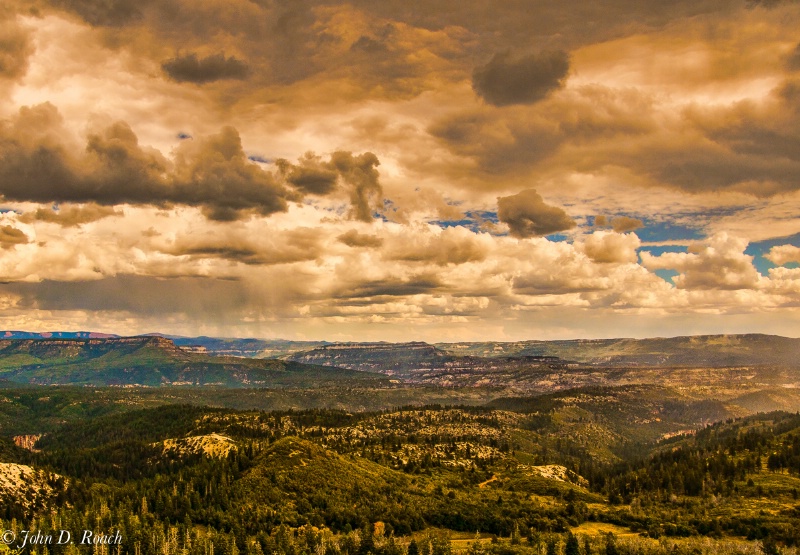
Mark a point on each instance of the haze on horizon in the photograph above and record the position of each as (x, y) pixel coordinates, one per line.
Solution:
(371, 171)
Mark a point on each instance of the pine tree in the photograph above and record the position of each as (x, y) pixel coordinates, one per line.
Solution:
(572, 547)
(367, 544)
(611, 545)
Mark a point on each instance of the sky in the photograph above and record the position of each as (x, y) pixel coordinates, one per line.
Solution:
(399, 170)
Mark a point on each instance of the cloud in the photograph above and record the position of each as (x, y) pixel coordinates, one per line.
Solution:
(353, 238)
(605, 246)
(391, 287)
(527, 215)
(360, 174)
(356, 175)
(454, 245)
(557, 269)
(620, 224)
(282, 247)
(310, 175)
(746, 146)
(10, 237)
(793, 59)
(584, 122)
(40, 164)
(334, 52)
(506, 80)
(71, 216)
(783, 254)
(143, 295)
(767, 3)
(190, 68)
(717, 263)
(499, 143)
(214, 173)
(16, 47)
(111, 13)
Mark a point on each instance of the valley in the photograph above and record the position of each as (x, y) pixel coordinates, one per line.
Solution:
(392, 449)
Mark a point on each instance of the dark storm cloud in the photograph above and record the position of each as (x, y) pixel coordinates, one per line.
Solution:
(755, 149)
(353, 238)
(392, 287)
(789, 93)
(745, 146)
(506, 80)
(111, 13)
(10, 237)
(71, 216)
(714, 167)
(360, 173)
(517, 138)
(527, 215)
(310, 175)
(793, 60)
(296, 245)
(38, 166)
(215, 173)
(357, 175)
(190, 68)
(499, 145)
(135, 294)
(212, 173)
(228, 252)
(552, 284)
(15, 48)
(373, 49)
(768, 3)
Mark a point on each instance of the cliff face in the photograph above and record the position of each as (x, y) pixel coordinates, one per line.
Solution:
(27, 441)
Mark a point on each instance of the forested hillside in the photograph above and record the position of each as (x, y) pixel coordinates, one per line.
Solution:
(543, 476)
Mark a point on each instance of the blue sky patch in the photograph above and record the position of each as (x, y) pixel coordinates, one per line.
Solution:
(665, 231)
(472, 220)
(666, 275)
(658, 250)
(758, 249)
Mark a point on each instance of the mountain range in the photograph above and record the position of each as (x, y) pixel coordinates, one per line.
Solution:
(725, 366)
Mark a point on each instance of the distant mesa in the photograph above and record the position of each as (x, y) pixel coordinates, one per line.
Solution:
(153, 361)
(57, 335)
